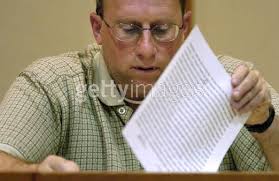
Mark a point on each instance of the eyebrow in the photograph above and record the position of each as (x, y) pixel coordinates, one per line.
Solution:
(160, 22)
(127, 21)
(154, 23)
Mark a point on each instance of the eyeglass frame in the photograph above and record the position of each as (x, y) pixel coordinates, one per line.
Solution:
(143, 29)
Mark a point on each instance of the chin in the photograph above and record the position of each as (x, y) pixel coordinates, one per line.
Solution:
(138, 91)
(145, 82)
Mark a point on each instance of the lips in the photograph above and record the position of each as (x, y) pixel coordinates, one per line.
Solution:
(145, 75)
(146, 69)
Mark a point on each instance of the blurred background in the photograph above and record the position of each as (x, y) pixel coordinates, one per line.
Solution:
(31, 29)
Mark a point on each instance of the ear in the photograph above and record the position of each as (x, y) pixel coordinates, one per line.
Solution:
(186, 23)
(96, 24)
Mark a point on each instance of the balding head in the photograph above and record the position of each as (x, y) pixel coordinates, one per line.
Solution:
(100, 7)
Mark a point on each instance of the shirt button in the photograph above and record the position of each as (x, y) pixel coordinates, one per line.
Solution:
(122, 110)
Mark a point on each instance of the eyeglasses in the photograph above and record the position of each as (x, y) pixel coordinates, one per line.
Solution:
(131, 33)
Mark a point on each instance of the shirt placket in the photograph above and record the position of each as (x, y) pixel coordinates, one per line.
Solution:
(125, 113)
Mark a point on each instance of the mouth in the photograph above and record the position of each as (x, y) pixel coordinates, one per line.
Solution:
(146, 69)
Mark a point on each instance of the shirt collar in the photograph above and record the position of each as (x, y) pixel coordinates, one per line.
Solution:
(107, 90)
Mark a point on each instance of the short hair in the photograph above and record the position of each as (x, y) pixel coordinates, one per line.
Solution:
(100, 7)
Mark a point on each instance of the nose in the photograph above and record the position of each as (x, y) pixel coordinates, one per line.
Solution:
(146, 49)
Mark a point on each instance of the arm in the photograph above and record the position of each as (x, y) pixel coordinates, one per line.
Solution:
(30, 128)
(269, 141)
(50, 164)
(252, 93)
(11, 163)
(33, 117)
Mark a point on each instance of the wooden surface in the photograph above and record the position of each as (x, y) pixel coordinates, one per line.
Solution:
(16, 176)
(139, 177)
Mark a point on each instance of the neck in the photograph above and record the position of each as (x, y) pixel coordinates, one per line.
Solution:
(133, 106)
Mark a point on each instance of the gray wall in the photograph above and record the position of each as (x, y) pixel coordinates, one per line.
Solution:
(246, 29)
(30, 29)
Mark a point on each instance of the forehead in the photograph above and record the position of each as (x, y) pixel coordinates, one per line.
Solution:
(142, 9)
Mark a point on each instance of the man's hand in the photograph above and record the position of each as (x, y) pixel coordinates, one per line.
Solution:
(57, 164)
(250, 93)
(50, 164)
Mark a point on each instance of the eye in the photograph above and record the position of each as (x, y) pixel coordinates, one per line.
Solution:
(129, 28)
(161, 29)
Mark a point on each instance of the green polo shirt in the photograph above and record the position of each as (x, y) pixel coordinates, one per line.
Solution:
(52, 108)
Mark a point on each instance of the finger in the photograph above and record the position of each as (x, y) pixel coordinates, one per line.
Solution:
(45, 168)
(246, 85)
(64, 166)
(248, 97)
(70, 166)
(259, 99)
(58, 164)
(239, 75)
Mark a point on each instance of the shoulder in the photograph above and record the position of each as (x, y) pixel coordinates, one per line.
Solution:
(230, 63)
(69, 64)
(64, 64)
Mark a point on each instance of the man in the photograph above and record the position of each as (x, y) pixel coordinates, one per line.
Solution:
(66, 105)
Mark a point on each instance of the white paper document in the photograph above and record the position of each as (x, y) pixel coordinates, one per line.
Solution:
(186, 123)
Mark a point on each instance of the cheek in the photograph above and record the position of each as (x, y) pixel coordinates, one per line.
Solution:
(174, 47)
(167, 53)
(123, 57)
(119, 59)
(117, 53)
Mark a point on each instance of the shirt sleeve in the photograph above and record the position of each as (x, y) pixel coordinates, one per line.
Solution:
(247, 153)
(29, 126)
